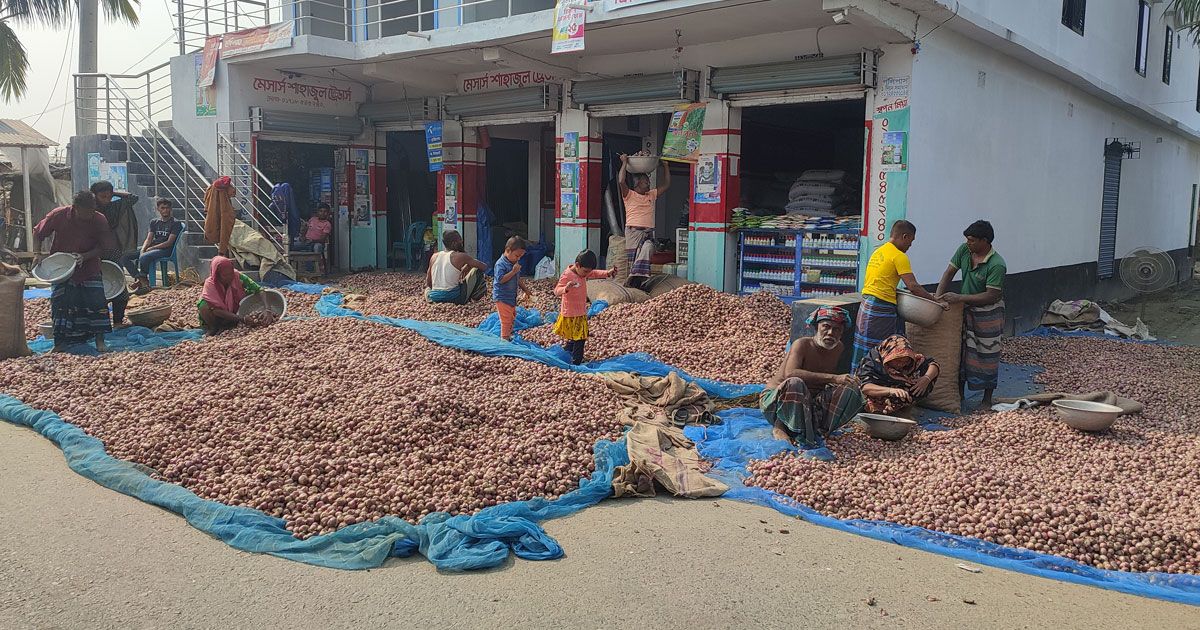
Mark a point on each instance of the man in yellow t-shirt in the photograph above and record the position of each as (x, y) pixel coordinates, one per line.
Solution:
(888, 266)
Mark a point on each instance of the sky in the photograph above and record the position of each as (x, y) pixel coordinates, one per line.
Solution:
(123, 50)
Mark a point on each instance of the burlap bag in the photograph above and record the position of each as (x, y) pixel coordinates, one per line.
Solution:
(616, 258)
(943, 343)
(614, 293)
(663, 283)
(12, 317)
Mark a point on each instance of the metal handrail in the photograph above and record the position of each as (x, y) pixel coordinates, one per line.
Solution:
(241, 168)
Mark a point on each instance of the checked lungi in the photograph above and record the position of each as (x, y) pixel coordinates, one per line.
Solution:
(807, 416)
(877, 320)
(639, 246)
(982, 328)
(79, 312)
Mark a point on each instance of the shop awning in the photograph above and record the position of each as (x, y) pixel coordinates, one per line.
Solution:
(840, 74)
(658, 91)
(413, 111)
(538, 99)
(272, 121)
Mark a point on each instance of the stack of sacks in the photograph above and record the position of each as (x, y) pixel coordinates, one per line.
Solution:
(818, 193)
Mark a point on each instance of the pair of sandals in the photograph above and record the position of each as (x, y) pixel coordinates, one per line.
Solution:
(682, 418)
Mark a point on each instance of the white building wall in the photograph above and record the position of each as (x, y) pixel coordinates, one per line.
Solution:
(199, 131)
(995, 139)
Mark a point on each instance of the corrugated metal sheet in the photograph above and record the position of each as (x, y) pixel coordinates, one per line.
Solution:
(538, 98)
(1108, 209)
(681, 87)
(793, 75)
(14, 133)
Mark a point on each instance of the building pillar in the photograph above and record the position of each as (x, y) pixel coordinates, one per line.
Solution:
(712, 248)
(379, 201)
(573, 234)
(465, 158)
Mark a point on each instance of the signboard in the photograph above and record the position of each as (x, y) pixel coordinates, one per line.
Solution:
(207, 73)
(708, 179)
(308, 94)
(682, 143)
(206, 97)
(569, 20)
(433, 145)
(93, 168)
(886, 192)
(255, 40)
(621, 4)
(492, 81)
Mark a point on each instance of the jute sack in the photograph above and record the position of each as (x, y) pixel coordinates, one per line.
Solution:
(12, 317)
(663, 283)
(942, 343)
(616, 258)
(614, 293)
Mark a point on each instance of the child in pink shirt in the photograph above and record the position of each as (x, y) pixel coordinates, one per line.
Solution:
(572, 323)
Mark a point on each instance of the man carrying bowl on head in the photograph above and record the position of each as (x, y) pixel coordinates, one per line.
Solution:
(77, 305)
(639, 200)
(807, 399)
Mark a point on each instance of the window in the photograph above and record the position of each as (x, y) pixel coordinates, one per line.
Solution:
(1168, 46)
(1073, 14)
(1143, 38)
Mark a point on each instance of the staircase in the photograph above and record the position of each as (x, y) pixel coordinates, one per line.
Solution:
(131, 114)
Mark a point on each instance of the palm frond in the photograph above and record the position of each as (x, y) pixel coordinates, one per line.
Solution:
(121, 10)
(14, 64)
(53, 13)
(1186, 15)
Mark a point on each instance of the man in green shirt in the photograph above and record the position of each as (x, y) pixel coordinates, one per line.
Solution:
(982, 296)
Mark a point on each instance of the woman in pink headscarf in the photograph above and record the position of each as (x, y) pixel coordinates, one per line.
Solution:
(223, 292)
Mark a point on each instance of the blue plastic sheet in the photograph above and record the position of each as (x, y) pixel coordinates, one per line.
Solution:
(746, 435)
(451, 543)
(30, 294)
(130, 339)
(299, 287)
(532, 318)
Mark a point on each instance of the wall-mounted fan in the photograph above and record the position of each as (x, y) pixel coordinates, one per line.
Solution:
(1147, 270)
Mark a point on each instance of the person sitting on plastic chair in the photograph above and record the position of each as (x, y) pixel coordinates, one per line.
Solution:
(160, 242)
(316, 234)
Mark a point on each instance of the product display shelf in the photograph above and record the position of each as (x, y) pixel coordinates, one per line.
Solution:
(798, 264)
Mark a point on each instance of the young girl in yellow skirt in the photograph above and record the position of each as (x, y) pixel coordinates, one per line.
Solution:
(572, 324)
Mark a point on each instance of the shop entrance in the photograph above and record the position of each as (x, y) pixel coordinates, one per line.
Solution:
(411, 190)
(519, 174)
(801, 186)
(308, 169)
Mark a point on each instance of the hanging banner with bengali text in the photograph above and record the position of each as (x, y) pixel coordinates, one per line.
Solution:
(682, 143)
(569, 21)
(208, 63)
(256, 39)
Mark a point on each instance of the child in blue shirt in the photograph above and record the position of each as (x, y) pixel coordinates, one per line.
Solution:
(508, 281)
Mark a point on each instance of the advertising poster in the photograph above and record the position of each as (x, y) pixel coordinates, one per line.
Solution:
(362, 211)
(568, 27)
(208, 61)
(450, 192)
(895, 152)
(708, 179)
(682, 143)
(206, 101)
(362, 159)
(570, 205)
(362, 183)
(451, 186)
(256, 39)
(93, 168)
(433, 145)
(571, 146)
(117, 174)
(452, 214)
(568, 177)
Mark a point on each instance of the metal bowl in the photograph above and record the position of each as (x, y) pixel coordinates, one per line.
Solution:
(888, 428)
(267, 299)
(47, 329)
(113, 277)
(55, 268)
(1085, 415)
(918, 310)
(641, 164)
(151, 317)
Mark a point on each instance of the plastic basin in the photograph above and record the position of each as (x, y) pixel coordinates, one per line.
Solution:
(888, 428)
(55, 268)
(1085, 415)
(641, 164)
(113, 277)
(151, 317)
(918, 310)
(267, 299)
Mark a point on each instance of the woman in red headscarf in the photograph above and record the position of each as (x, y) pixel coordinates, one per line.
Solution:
(223, 292)
(894, 376)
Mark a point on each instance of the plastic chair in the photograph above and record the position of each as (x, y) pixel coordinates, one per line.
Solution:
(412, 245)
(172, 258)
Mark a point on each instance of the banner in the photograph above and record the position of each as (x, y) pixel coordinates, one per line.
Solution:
(886, 194)
(433, 145)
(256, 40)
(206, 97)
(621, 4)
(682, 143)
(568, 27)
(207, 73)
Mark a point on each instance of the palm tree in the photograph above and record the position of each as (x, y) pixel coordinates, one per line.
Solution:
(1186, 14)
(14, 63)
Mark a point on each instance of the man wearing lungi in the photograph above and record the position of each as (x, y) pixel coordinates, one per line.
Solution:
(77, 306)
(877, 316)
(982, 296)
(639, 219)
(807, 399)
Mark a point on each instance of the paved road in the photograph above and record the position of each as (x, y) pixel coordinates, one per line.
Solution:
(75, 555)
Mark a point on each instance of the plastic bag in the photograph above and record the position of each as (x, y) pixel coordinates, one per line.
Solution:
(545, 269)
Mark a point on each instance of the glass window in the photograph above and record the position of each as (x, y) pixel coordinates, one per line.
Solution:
(1143, 37)
(1073, 14)
(1168, 47)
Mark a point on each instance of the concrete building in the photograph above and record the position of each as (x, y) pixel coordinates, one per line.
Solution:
(1073, 127)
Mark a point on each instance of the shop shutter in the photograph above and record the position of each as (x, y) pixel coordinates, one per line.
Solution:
(667, 87)
(305, 124)
(827, 72)
(1113, 154)
(412, 111)
(535, 99)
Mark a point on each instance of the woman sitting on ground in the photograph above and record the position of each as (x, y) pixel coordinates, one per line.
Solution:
(894, 376)
(222, 294)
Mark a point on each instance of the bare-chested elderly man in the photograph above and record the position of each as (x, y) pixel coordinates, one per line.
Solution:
(807, 399)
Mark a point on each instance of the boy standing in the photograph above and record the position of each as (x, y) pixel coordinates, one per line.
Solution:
(508, 281)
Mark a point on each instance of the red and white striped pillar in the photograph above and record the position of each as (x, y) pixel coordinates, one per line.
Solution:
(712, 249)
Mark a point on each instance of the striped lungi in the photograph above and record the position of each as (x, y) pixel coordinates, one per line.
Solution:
(983, 326)
(807, 415)
(79, 312)
(639, 246)
(877, 320)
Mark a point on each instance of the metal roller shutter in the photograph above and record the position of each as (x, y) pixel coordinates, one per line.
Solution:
(846, 71)
(307, 124)
(411, 111)
(528, 100)
(667, 87)
(1113, 153)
